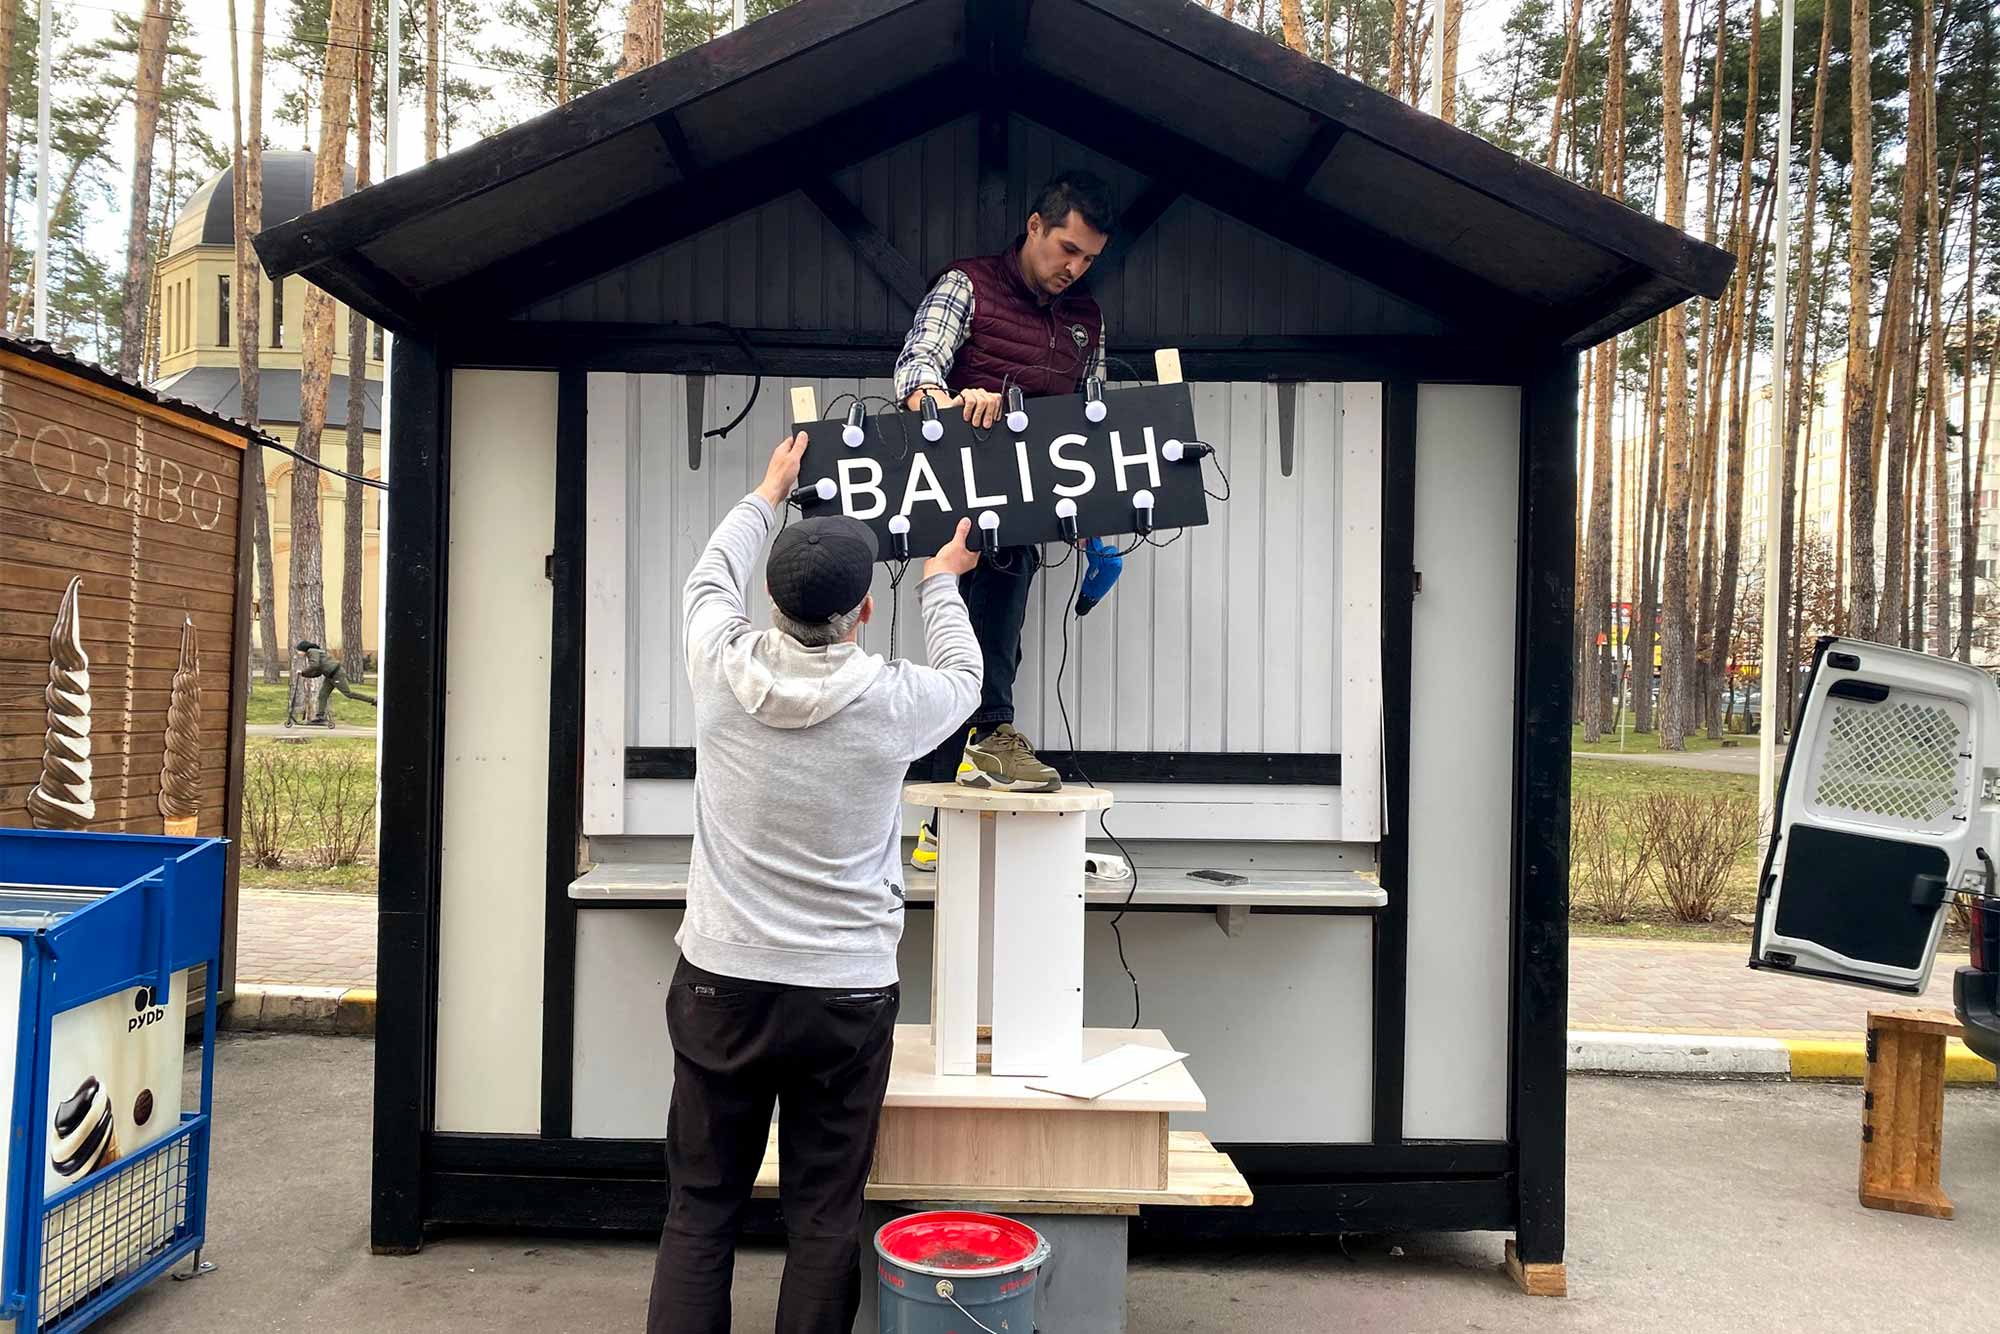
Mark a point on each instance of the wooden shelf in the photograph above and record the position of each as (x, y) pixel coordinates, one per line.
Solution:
(953, 797)
(912, 1083)
(664, 885)
(1198, 1176)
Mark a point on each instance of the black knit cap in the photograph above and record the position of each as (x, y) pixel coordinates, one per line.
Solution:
(821, 568)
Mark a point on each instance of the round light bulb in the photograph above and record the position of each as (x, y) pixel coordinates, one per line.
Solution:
(989, 521)
(1094, 410)
(933, 430)
(1142, 499)
(899, 524)
(1017, 422)
(1065, 508)
(1017, 409)
(825, 489)
(1171, 451)
(853, 436)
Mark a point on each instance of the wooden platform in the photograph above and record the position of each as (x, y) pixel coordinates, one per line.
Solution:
(912, 1083)
(1198, 1176)
(953, 797)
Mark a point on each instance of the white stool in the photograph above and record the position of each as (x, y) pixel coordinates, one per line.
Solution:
(1008, 945)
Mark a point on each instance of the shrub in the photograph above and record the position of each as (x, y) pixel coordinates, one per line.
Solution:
(1695, 842)
(270, 805)
(1610, 854)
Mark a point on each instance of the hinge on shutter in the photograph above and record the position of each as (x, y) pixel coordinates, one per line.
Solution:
(1867, 1133)
(1871, 1046)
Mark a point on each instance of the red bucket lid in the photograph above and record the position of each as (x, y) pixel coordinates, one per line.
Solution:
(952, 1242)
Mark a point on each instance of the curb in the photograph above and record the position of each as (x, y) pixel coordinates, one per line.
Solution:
(1683, 1054)
(346, 1011)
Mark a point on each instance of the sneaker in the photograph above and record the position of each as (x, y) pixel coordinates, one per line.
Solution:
(923, 857)
(1003, 759)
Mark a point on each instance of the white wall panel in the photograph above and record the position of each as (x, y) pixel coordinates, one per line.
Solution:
(496, 741)
(1462, 761)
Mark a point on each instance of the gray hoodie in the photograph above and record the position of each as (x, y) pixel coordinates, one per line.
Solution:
(800, 755)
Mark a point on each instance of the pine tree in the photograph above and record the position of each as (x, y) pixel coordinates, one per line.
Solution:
(1675, 665)
(352, 655)
(1860, 386)
(152, 63)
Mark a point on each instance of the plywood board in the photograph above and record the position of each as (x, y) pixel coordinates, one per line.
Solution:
(1113, 1070)
(611, 438)
(1037, 941)
(1198, 1175)
(953, 797)
(912, 1082)
(950, 1044)
(1062, 1149)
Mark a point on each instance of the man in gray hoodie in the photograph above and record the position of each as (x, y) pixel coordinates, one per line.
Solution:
(786, 993)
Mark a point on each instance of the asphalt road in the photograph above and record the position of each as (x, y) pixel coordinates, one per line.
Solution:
(1692, 1206)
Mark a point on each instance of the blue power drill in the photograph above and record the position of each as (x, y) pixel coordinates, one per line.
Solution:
(1103, 565)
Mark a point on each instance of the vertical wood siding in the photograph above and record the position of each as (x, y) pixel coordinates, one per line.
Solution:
(782, 266)
(1224, 640)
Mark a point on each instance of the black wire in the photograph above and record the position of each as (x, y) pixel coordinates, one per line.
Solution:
(895, 603)
(756, 381)
(1103, 823)
(325, 467)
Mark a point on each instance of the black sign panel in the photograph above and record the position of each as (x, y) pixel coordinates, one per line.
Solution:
(1018, 476)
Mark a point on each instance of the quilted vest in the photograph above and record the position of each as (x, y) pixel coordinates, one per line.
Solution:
(1015, 338)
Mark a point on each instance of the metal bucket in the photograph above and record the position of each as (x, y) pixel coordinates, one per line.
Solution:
(952, 1272)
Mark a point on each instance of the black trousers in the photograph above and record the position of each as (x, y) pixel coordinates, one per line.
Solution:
(822, 1057)
(996, 601)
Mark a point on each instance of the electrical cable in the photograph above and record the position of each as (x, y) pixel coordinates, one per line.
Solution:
(756, 378)
(325, 467)
(1103, 823)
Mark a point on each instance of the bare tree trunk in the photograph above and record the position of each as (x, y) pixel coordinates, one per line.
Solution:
(336, 100)
(1291, 15)
(250, 220)
(1452, 20)
(1574, 30)
(1860, 368)
(353, 656)
(1778, 705)
(1968, 518)
(562, 51)
(1936, 396)
(9, 15)
(1645, 615)
(1398, 21)
(431, 80)
(643, 37)
(1732, 528)
(138, 256)
(1898, 352)
(1597, 558)
(1347, 52)
(1674, 666)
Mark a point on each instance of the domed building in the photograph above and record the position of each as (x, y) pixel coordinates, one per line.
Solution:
(198, 364)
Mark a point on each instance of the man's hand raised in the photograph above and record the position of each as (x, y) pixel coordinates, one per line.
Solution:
(783, 473)
(954, 557)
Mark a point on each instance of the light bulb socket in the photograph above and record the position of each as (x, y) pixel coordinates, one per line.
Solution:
(1185, 451)
(1142, 508)
(855, 433)
(1017, 409)
(1066, 518)
(899, 535)
(1094, 409)
(933, 429)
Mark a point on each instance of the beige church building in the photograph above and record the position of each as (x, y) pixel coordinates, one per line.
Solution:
(198, 364)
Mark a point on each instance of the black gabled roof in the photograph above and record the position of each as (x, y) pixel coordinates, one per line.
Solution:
(1493, 244)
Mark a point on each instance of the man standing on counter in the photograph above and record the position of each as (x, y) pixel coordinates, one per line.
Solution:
(787, 992)
(1020, 317)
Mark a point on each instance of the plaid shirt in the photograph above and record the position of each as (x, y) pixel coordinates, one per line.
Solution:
(943, 323)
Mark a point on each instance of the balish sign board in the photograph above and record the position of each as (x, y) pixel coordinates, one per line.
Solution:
(1020, 477)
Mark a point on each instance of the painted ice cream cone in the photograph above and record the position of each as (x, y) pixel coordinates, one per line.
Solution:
(62, 799)
(180, 774)
(86, 1132)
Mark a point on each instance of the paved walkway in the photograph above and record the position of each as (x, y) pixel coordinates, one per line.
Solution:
(328, 940)
(1730, 760)
(304, 730)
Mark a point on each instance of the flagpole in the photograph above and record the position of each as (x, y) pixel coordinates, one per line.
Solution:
(1771, 674)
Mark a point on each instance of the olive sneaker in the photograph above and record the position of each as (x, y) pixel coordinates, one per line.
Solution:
(1003, 759)
(923, 857)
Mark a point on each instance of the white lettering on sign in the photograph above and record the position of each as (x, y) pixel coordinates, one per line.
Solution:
(1077, 466)
(920, 472)
(156, 488)
(1122, 460)
(872, 486)
(1027, 482)
(973, 499)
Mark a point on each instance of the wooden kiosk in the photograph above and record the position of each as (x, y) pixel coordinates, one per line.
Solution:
(598, 317)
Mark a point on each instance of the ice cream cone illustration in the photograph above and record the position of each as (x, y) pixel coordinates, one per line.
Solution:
(62, 800)
(86, 1131)
(180, 776)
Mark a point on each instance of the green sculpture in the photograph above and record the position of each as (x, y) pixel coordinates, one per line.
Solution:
(327, 669)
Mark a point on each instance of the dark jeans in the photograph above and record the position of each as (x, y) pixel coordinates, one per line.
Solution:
(822, 1056)
(996, 601)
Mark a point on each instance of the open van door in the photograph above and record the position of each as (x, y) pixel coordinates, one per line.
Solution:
(1886, 807)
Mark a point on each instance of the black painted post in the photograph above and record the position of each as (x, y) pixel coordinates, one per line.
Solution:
(412, 731)
(1392, 942)
(1543, 682)
(566, 572)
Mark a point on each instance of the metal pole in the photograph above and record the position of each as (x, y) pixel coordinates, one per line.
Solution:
(1771, 673)
(382, 548)
(44, 72)
(1437, 60)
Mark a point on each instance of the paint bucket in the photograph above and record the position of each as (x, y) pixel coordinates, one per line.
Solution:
(952, 1272)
